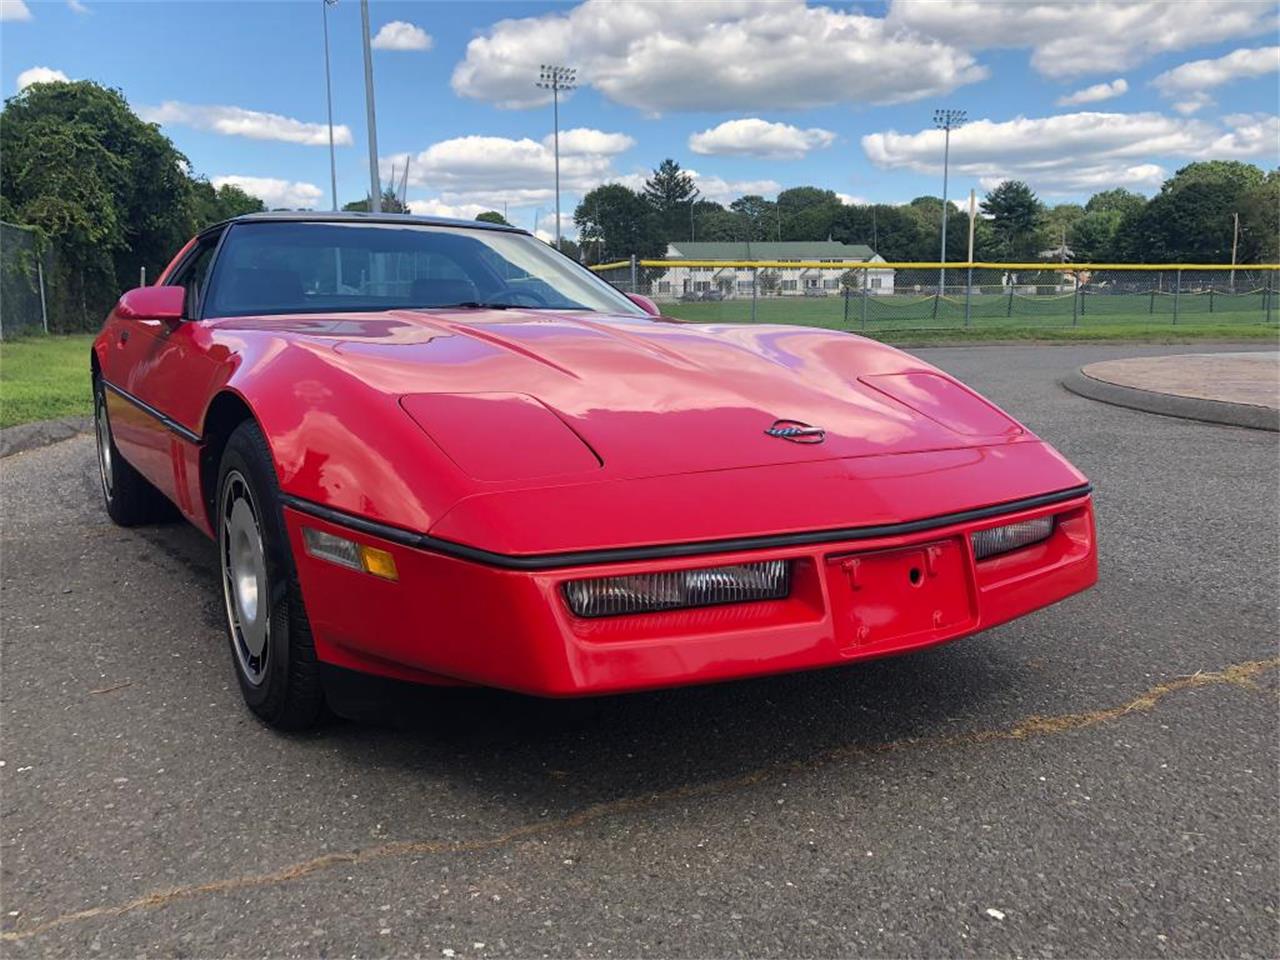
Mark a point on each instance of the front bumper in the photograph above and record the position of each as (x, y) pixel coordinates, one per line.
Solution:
(450, 620)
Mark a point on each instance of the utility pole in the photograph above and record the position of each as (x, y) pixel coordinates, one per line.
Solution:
(328, 93)
(1235, 239)
(945, 120)
(555, 79)
(375, 183)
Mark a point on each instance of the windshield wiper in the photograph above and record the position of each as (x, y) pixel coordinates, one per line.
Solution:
(495, 305)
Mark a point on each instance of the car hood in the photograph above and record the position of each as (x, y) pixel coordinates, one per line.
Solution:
(651, 398)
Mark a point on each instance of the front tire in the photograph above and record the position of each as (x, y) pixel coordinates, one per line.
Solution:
(271, 645)
(130, 500)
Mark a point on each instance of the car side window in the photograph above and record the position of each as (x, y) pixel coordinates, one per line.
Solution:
(191, 275)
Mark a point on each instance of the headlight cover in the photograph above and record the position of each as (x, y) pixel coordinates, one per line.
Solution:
(997, 540)
(679, 589)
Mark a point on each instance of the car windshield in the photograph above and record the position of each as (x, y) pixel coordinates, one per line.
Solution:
(277, 267)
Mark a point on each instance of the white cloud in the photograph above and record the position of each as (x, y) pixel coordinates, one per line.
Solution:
(1196, 77)
(435, 207)
(759, 138)
(14, 10)
(547, 225)
(1095, 93)
(490, 170)
(275, 193)
(714, 55)
(725, 191)
(399, 35)
(1192, 103)
(1070, 152)
(583, 140)
(239, 122)
(1248, 136)
(40, 75)
(852, 201)
(1074, 37)
(78, 7)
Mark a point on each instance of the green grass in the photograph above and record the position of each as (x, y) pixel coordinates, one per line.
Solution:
(44, 377)
(994, 315)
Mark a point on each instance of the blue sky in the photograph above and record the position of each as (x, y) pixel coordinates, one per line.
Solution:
(1073, 97)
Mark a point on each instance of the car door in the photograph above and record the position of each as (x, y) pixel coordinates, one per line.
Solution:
(169, 376)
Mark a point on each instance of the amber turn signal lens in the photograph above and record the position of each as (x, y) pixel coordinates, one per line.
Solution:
(348, 553)
(379, 563)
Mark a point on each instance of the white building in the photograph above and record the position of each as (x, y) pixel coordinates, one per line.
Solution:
(735, 281)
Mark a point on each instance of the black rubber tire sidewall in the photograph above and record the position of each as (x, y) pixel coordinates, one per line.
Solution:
(290, 695)
(132, 500)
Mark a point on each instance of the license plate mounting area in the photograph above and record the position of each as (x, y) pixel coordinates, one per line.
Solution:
(893, 597)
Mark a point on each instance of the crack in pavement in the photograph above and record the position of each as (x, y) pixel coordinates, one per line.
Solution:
(1241, 675)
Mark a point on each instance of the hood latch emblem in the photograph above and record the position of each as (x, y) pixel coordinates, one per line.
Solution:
(796, 431)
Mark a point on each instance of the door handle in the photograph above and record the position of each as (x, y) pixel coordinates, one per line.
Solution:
(124, 336)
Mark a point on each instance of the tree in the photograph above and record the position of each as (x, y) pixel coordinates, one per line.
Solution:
(492, 216)
(671, 192)
(570, 249)
(210, 206)
(712, 222)
(1191, 219)
(1260, 222)
(1092, 237)
(615, 222)
(110, 192)
(759, 217)
(1016, 217)
(808, 213)
(899, 234)
(390, 203)
(1118, 201)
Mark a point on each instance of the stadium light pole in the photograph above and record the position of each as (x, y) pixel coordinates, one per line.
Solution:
(375, 183)
(555, 79)
(328, 93)
(946, 120)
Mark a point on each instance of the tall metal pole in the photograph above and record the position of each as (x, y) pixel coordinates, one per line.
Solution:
(555, 100)
(946, 160)
(328, 93)
(375, 184)
(945, 120)
(557, 78)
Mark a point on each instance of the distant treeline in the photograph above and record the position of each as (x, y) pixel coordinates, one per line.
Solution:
(1190, 220)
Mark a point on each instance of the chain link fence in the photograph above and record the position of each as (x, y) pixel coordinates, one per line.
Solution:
(886, 297)
(24, 269)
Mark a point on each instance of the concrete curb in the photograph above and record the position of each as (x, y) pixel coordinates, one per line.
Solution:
(29, 436)
(1170, 405)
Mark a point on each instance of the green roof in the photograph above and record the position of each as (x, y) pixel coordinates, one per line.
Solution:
(771, 250)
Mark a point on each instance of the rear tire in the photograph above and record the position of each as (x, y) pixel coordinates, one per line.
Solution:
(271, 645)
(130, 499)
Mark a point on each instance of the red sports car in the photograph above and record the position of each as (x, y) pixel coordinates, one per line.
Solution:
(442, 452)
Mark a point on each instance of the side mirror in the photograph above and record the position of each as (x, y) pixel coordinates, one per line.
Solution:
(645, 304)
(153, 303)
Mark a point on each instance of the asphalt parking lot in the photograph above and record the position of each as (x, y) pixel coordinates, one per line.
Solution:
(1098, 779)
